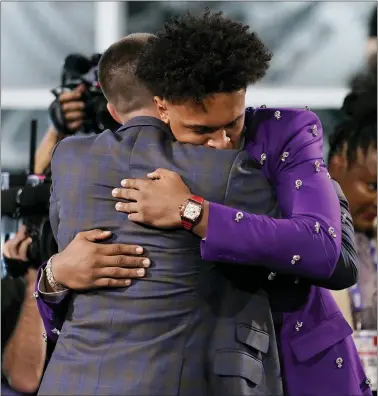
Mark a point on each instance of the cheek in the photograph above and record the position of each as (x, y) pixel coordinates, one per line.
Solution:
(364, 195)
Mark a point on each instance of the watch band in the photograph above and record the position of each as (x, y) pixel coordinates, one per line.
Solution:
(56, 286)
(187, 223)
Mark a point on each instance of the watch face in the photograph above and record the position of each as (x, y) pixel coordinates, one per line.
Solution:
(192, 211)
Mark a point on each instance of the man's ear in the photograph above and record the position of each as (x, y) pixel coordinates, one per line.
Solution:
(113, 113)
(161, 106)
(337, 166)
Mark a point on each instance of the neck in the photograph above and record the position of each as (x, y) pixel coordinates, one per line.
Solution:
(146, 112)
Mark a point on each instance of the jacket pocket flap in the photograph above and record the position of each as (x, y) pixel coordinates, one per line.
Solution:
(236, 363)
(318, 339)
(257, 339)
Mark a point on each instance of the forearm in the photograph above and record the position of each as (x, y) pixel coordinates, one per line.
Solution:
(274, 243)
(25, 353)
(345, 274)
(44, 150)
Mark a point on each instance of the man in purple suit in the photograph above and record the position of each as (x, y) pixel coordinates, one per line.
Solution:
(242, 225)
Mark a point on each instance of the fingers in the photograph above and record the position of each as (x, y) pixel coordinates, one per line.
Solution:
(75, 125)
(16, 248)
(154, 175)
(136, 217)
(11, 247)
(94, 235)
(109, 282)
(118, 277)
(23, 249)
(74, 116)
(72, 106)
(70, 96)
(124, 193)
(135, 184)
(118, 249)
(80, 88)
(128, 262)
(160, 173)
(120, 273)
(130, 207)
(20, 235)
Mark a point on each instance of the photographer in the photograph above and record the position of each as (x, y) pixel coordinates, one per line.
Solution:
(73, 110)
(23, 349)
(23, 345)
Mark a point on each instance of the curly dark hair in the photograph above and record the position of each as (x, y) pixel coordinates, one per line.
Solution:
(358, 128)
(194, 57)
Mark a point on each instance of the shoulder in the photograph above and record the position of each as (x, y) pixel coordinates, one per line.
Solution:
(72, 145)
(275, 126)
(275, 132)
(69, 155)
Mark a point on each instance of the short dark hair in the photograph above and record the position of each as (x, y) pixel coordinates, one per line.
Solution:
(358, 128)
(117, 77)
(194, 57)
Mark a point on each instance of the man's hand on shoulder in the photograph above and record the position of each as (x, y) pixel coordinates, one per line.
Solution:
(85, 264)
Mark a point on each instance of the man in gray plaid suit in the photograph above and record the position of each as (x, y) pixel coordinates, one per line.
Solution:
(162, 336)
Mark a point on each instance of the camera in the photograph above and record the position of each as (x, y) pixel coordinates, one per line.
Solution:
(29, 205)
(27, 201)
(80, 70)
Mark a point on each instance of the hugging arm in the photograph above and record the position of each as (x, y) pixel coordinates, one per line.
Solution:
(306, 242)
(346, 272)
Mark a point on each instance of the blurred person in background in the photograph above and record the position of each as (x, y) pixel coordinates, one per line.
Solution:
(73, 109)
(23, 349)
(353, 163)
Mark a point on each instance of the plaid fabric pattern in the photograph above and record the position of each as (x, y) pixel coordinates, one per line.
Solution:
(160, 336)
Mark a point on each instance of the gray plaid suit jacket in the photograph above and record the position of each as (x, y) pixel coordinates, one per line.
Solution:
(190, 327)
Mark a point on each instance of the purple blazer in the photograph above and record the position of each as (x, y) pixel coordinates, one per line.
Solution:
(318, 353)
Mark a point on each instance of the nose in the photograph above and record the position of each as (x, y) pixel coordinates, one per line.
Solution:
(219, 140)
